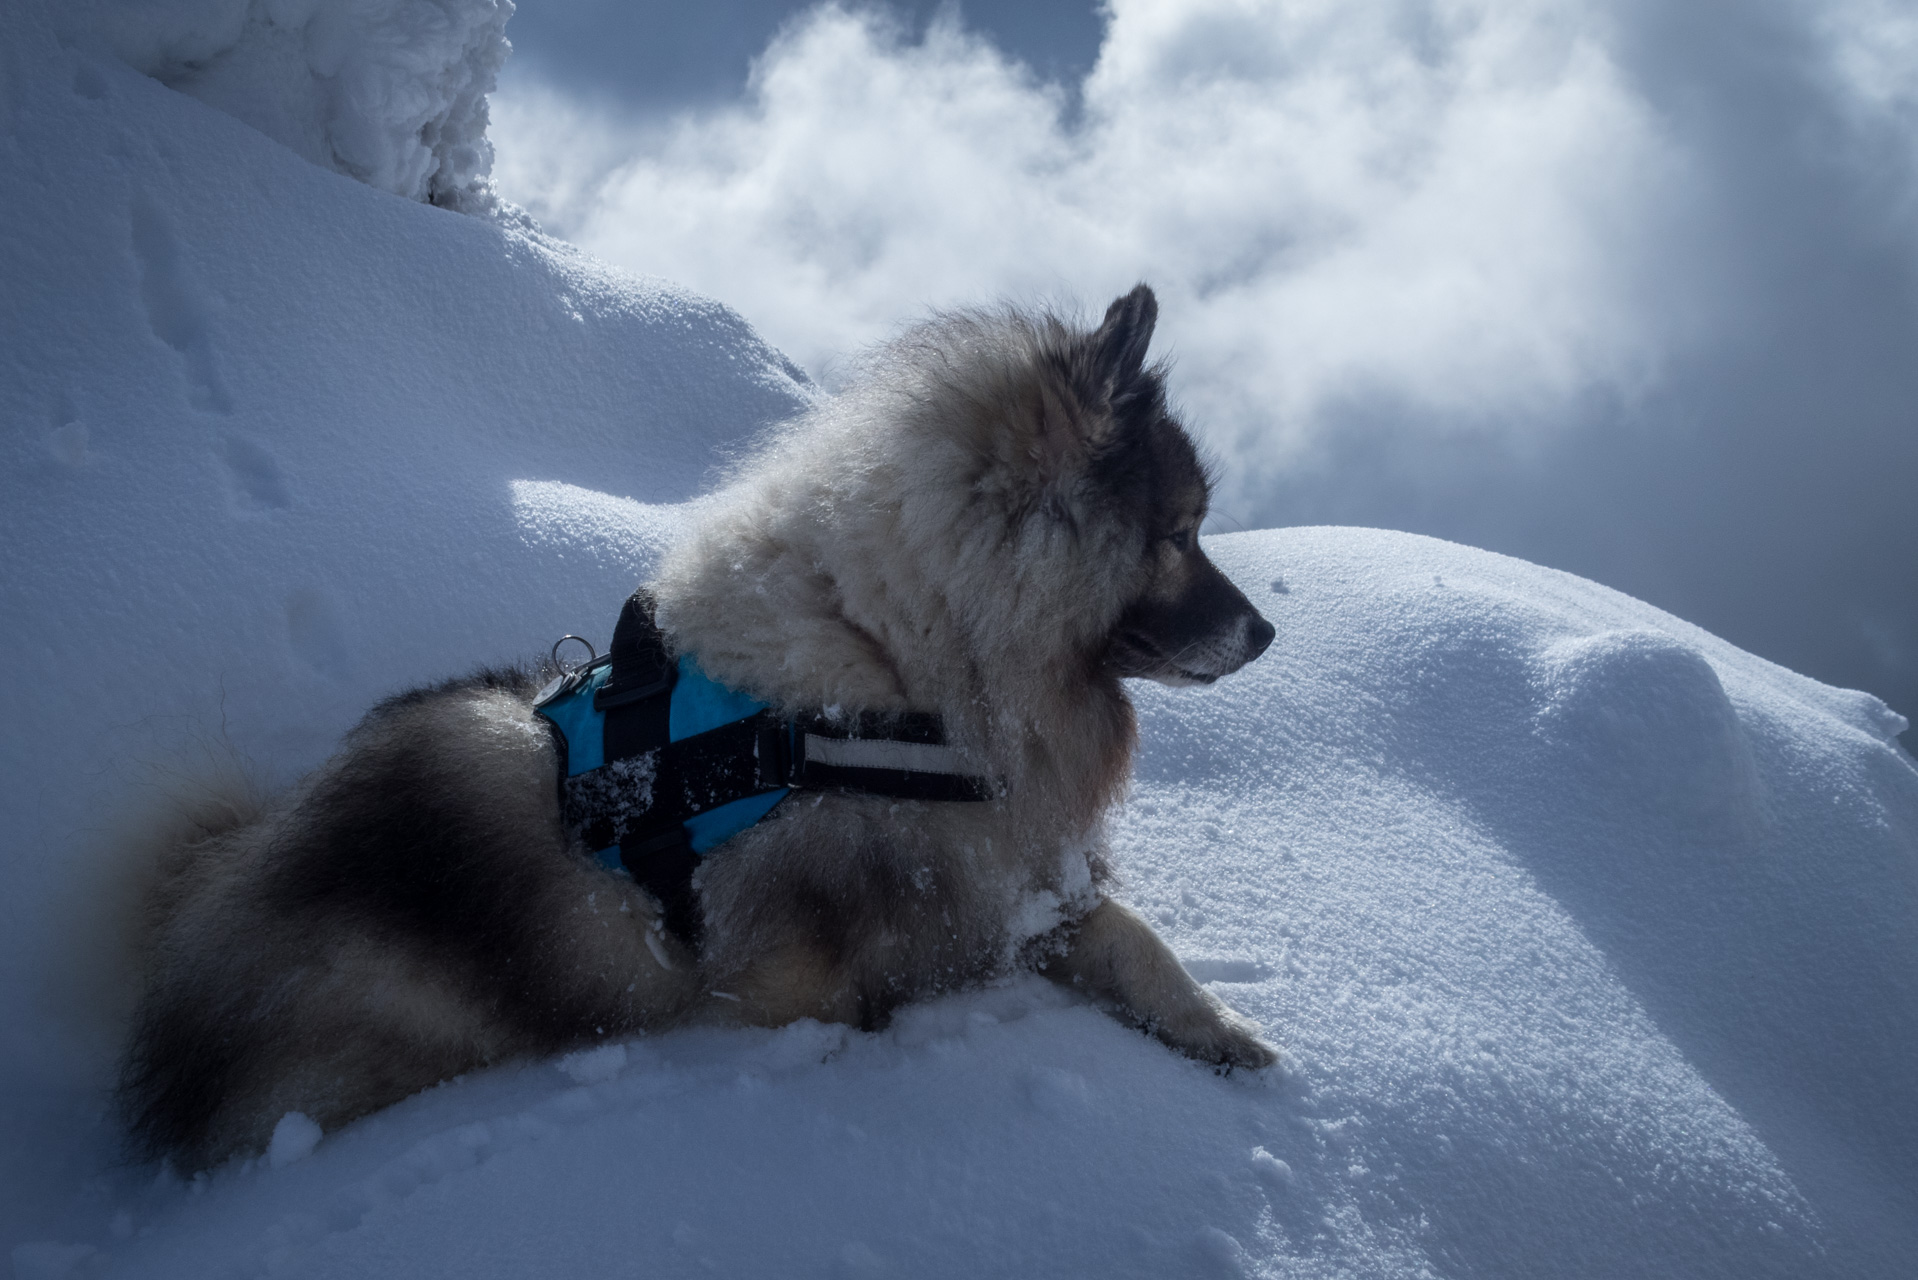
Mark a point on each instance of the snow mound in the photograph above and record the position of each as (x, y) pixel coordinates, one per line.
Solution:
(392, 92)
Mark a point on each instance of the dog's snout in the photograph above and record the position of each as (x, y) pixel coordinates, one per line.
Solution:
(1258, 636)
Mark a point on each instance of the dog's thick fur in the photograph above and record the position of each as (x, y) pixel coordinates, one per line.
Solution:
(997, 522)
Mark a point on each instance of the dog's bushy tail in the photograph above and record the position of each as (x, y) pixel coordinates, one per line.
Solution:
(116, 889)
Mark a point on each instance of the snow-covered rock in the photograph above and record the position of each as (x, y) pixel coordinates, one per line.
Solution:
(392, 92)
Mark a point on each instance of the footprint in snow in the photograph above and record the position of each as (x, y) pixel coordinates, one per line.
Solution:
(1227, 970)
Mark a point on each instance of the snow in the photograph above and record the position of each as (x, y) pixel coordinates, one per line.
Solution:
(392, 92)
(1590, 939)
(294, 1138)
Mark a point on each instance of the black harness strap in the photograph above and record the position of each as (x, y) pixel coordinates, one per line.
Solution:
(637, 696)
(637, 703)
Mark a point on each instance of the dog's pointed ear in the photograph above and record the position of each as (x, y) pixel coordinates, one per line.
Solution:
(1119, 345)
(1073, 415)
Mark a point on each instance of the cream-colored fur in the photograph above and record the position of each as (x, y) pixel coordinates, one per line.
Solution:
(927, 542)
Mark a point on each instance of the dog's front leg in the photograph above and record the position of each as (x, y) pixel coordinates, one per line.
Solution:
(1113, 955)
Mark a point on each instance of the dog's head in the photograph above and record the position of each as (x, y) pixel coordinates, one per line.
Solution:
(1000, 494)
(1114, 464)
(1185, 623)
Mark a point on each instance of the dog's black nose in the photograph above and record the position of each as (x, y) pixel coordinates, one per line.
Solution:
(1258, 636)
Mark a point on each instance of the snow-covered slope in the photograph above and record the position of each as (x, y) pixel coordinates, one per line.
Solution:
(1593, 941)
(261, 428)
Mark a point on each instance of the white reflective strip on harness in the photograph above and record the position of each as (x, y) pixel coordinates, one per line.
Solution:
(882, 753)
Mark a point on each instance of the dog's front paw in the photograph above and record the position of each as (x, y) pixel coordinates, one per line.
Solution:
(1223, 1038)
(1113, 955)
(1242, 1048)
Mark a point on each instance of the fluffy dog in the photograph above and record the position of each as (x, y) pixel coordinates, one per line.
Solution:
(997, 523)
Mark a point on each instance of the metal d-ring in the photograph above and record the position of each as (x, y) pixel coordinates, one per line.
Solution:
(563, 668)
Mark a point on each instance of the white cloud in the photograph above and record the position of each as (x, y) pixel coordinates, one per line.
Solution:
(1329, 198)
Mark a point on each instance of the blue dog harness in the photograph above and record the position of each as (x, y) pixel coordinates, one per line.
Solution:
(660, 764)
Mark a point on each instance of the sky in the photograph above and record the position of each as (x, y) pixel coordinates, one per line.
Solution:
(1623, 288)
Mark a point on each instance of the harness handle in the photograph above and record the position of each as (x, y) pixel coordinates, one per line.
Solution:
(641, 667)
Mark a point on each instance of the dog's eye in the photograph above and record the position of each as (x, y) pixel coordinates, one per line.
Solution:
(1181, 541)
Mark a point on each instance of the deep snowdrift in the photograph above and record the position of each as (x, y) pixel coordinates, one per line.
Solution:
(1593, 941)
